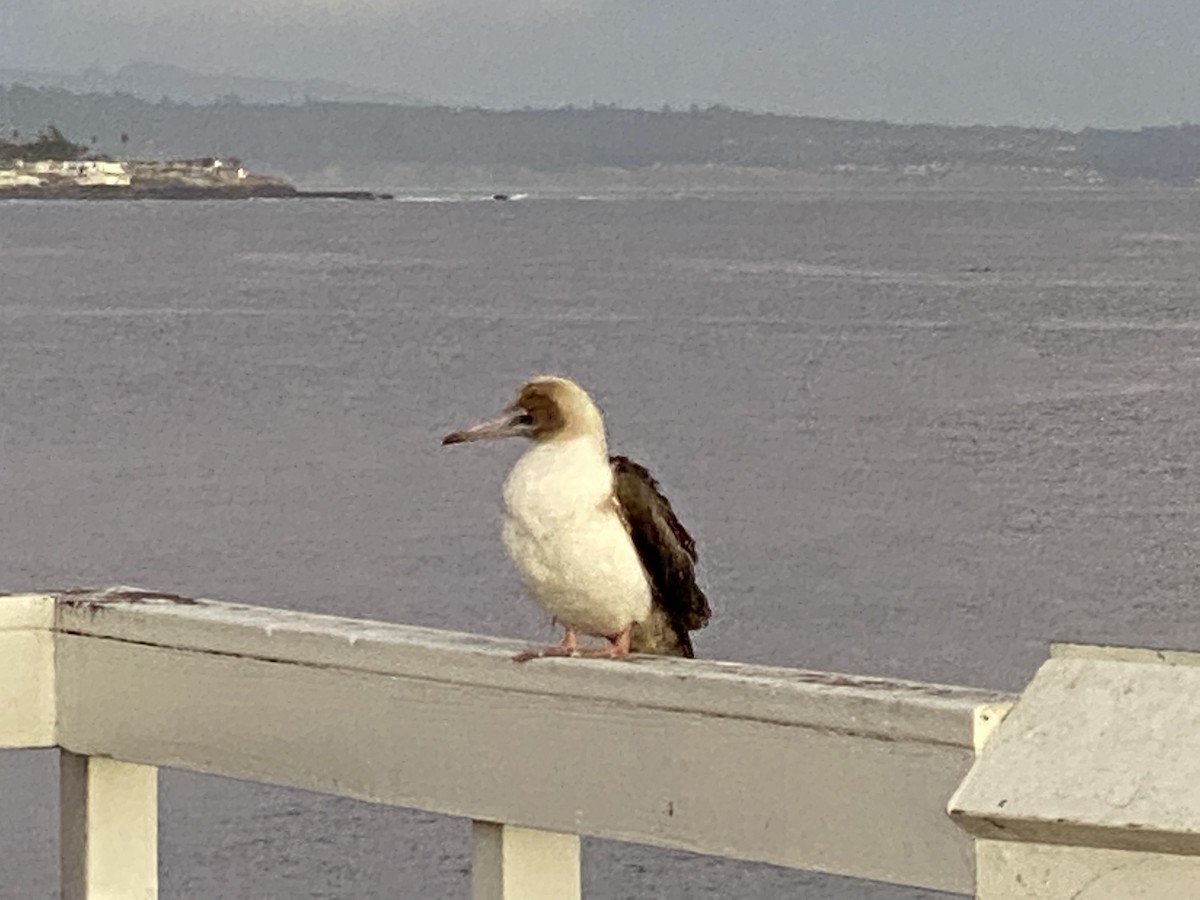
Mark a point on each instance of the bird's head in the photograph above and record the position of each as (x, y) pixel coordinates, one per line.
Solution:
(546, 409)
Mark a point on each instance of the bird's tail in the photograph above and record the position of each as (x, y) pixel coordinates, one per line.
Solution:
(660, 635)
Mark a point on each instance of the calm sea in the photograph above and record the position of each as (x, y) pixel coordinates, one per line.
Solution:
(916, 434)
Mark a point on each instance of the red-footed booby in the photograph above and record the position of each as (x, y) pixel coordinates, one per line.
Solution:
(596, 543)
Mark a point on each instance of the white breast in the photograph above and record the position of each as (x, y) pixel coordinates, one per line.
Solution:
(567, 541)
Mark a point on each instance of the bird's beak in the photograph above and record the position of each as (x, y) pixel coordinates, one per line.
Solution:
(513, 422)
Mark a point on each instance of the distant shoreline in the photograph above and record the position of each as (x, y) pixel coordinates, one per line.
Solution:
(180, 192)
(70, 177)
(316, 136)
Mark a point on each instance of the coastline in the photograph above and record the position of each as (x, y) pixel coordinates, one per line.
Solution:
(274, 191)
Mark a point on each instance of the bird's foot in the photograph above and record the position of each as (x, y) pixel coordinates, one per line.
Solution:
(566, 648)
(618, 644)
(612, 651)
(539, 653)
(618, 648)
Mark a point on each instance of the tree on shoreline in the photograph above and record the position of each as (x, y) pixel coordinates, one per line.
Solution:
(49, 144)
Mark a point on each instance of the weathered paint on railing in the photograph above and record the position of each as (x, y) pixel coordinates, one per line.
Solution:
(1083, 789)
(803, 769)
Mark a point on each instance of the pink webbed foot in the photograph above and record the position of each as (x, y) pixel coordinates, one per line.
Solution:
(544, 652)
(618, 648)
(566, 648)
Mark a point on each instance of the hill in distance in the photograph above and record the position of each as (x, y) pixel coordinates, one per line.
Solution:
(153, 81)
(386, 146)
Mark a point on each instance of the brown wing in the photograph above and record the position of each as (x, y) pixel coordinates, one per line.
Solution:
(668, 555)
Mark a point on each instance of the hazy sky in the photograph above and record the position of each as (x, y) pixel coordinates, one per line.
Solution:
(1058, 62)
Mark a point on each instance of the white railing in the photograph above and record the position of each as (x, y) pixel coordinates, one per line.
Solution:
(805, 769)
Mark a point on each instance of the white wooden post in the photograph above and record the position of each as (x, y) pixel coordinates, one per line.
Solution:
(27, 714)
(108, 829)
(1090, 787)
(512, 863)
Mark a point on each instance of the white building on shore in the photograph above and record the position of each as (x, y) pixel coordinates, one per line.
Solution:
(207, 172)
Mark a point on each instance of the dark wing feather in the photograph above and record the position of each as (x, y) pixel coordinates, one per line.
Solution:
(668, 555)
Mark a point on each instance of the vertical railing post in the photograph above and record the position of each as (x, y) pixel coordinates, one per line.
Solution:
(513, 863)
(27, 711)
(1083, 790)
(108, 829)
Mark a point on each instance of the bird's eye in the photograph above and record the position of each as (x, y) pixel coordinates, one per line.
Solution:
(525, 419)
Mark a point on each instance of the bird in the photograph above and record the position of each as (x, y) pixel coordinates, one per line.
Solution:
(594, 539)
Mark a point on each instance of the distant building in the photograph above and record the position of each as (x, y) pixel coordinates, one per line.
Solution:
(205, 172)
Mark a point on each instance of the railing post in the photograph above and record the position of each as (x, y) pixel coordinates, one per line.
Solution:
(108, 829)
(27, 713)
(513, 863)
(1087, 788)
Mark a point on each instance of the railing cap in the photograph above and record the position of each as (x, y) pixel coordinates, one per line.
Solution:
(889, 709)
(1099, 750)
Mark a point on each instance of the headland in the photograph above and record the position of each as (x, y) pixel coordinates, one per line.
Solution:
(50, 168)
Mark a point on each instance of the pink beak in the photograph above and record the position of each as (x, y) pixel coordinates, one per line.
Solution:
(513, 422)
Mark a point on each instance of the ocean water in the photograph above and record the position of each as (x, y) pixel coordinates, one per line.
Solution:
(915, 434)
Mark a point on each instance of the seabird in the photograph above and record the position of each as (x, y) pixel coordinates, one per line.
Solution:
(596, 543)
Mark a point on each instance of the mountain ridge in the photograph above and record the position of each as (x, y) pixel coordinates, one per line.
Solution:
(152, 81)
(314, 135)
